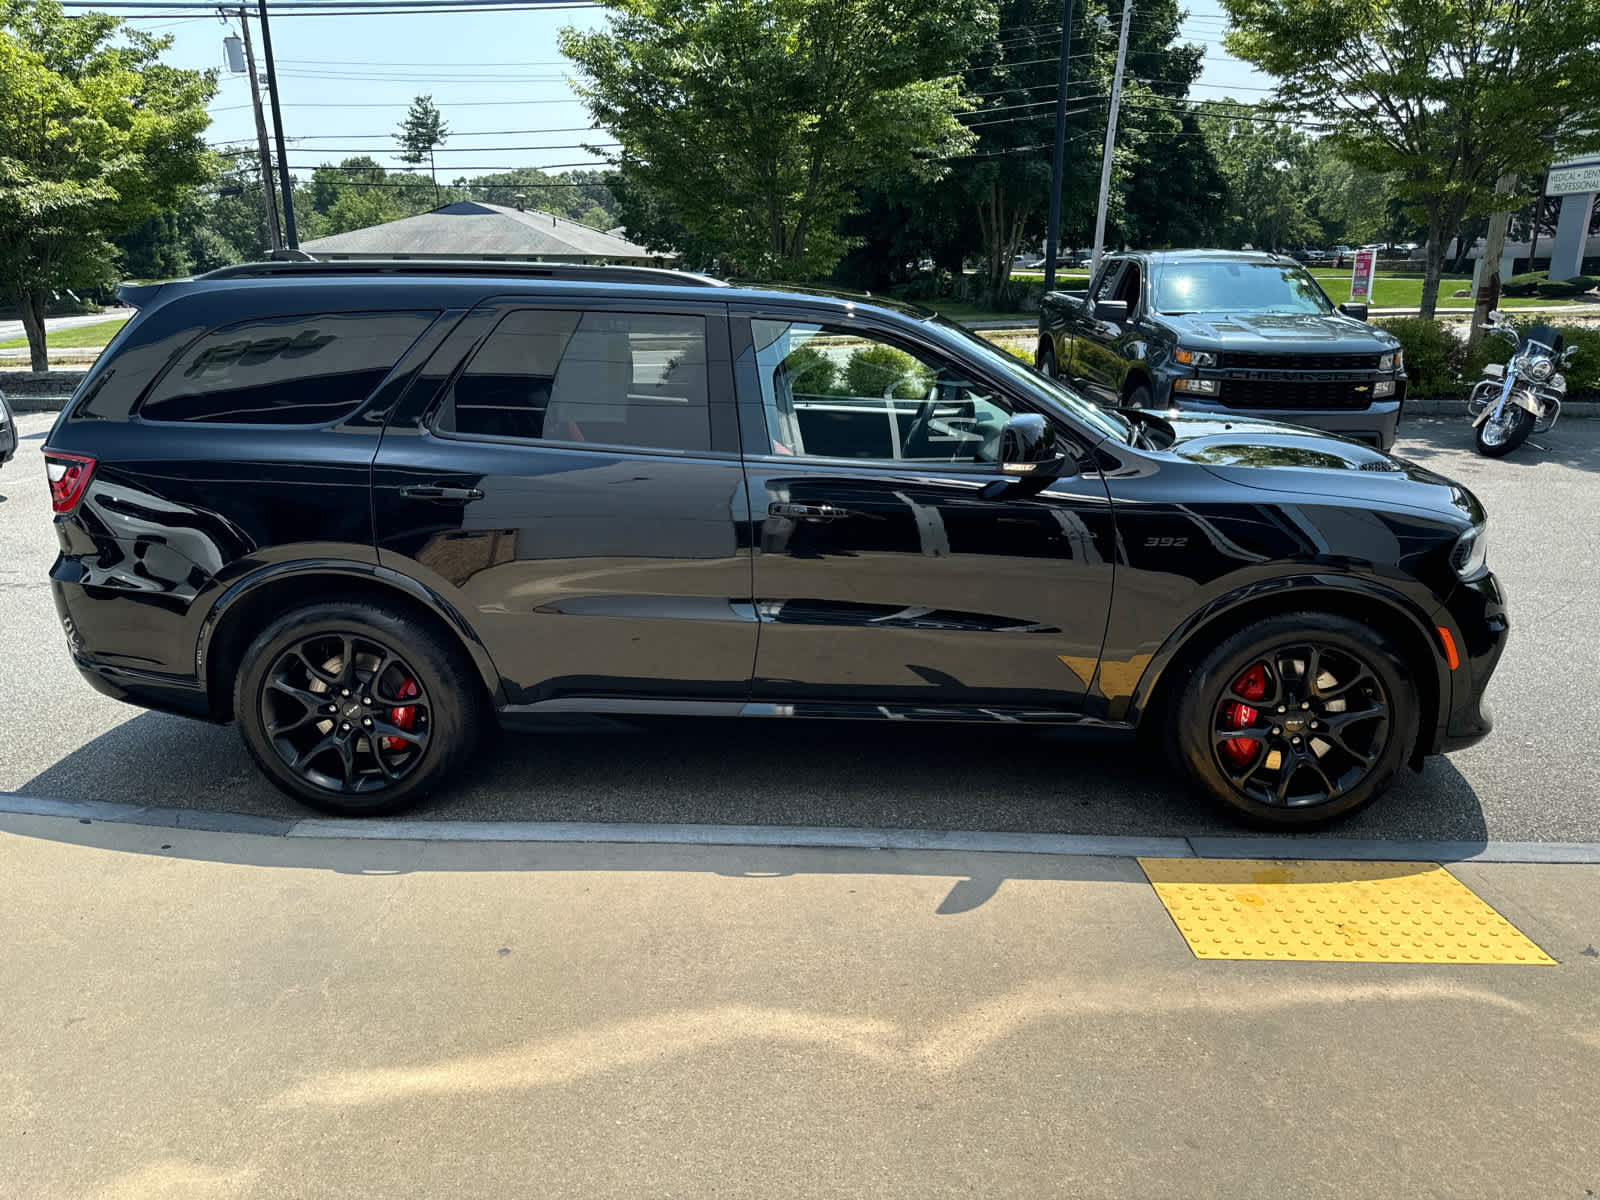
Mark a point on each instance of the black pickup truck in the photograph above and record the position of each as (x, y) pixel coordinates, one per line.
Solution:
(1224, 332)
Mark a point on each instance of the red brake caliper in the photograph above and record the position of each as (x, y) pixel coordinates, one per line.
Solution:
(404, 716)
(1252, 685)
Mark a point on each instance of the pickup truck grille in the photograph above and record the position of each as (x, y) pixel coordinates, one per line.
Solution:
(1240, 360)
(1258, 393)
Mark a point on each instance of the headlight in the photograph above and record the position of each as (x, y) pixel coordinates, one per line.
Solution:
(1471, 548)
(1395, 360)
(1558, 383)
(1198, 387)
(1541, 369)
(1196, 358)
(1384, 387)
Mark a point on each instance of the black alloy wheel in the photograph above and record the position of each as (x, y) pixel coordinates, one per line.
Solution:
(1298, 720)
(356, 708)
(345, 713)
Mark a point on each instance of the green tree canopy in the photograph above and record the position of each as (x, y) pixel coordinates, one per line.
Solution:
(97, 135)
(1442, 96)
(756, 119)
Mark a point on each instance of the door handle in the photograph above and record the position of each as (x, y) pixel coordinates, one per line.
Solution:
(434, 492)
(809, 512)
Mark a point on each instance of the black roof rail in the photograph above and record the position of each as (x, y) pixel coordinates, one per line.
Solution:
(580, 272)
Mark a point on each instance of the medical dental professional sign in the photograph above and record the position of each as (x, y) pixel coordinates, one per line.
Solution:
(1361, 276)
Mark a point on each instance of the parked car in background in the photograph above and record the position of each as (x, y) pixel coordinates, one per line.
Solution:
(1224, 332)
(369, 511)
(8, 431)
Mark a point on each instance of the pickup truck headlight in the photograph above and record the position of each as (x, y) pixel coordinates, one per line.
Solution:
(1198, 387)
(1384, 387)
(1196, 358)
(1395, 360)
(1471, 549)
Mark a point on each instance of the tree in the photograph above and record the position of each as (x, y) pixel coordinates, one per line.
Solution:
(1269, 168)
(97, 135)
(421, 133)
(1444, 96)
(756, 119)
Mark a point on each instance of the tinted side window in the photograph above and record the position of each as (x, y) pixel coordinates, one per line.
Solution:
(284, 371)
(622, 379)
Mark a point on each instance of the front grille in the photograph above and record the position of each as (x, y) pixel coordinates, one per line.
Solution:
(1307, 397)
(1240, 360)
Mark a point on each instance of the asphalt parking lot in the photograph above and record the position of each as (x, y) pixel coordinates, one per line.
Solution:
(1536, 779)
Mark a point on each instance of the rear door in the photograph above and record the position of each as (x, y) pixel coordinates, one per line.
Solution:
(887, 569)
(568, 476)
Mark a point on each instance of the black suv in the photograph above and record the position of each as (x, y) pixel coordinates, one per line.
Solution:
(1225, 332)
(368, 510)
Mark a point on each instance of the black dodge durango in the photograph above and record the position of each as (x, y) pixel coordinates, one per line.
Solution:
(370, 510)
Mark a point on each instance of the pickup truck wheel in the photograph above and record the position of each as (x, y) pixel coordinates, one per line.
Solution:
(1047, 361)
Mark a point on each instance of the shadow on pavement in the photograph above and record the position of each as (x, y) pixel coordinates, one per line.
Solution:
(756, 772)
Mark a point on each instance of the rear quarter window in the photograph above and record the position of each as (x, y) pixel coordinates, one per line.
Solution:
(306, 370)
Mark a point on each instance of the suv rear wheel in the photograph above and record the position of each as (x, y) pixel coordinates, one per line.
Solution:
(1296, 719)
(356, 709)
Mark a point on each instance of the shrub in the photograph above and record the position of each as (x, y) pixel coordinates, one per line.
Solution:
(1434, 355)
(884, 371)
(1586, 283)
(1552, 289)
(1522, 285)
(1583, 368)
(811, 372)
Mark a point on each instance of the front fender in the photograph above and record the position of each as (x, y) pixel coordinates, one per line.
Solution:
(1227, 612)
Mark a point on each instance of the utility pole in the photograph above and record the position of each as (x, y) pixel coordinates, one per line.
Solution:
(284, 179)
(1059, 162)
(274, 236)
(1111, 138)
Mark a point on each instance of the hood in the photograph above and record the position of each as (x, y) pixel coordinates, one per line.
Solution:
(1287, 458)
(1280, 331)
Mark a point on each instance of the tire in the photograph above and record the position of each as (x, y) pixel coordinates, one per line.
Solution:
(1140, 397)
(1047, 361)
(394, 754)
(1228, 729)
(1502, 440)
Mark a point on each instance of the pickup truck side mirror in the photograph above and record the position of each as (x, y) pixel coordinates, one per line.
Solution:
(1113, 312)
(1358, 311)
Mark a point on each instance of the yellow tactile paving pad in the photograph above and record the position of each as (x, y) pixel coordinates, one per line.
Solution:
(1311, 911)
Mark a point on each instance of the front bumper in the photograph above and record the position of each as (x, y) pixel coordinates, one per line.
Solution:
(1376, 423)
(1475, 614)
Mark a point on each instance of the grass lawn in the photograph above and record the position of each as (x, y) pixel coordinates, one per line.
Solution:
(960, 310)
(1406, 292)
(78, 337)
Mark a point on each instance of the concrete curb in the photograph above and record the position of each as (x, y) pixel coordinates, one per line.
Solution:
(1308, 846)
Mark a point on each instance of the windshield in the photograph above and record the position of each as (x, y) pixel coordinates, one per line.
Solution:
(1236, 287)
(1092, 415)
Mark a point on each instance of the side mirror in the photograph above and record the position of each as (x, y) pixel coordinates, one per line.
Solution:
(1493, 318)
(1113, 312)
(1028, 447)
(1566, 355)
(1358, 311)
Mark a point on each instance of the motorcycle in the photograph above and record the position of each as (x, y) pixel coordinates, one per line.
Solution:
(1522, 396)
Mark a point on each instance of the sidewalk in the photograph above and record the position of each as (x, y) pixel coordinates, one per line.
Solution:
(212, 1014)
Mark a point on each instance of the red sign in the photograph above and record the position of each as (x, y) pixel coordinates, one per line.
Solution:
(1361, 276)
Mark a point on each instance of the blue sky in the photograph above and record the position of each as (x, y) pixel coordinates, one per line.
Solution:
(498, 78)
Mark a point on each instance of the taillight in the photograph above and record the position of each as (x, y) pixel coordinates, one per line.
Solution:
(69, 477)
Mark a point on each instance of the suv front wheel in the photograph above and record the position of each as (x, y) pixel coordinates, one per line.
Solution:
(1297, 719)
(356, 709)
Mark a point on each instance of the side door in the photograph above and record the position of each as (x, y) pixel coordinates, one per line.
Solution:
(567, 476)
(1095, 366)
(893, 564)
